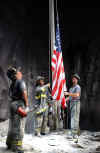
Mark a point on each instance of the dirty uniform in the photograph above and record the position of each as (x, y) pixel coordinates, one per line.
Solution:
(41, 113)
(75, 109)
(56, 119)
(16, 122)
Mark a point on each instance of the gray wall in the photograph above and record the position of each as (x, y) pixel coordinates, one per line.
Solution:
(24, 42)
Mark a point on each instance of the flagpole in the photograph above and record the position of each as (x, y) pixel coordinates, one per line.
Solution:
(56, 9)
(49, 41)
(51, 35)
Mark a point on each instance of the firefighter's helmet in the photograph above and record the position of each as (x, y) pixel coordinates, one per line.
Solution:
(76, 76)
(11, 72)
(39, 78)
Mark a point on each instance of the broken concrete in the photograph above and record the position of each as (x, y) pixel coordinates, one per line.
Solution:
(55, 142)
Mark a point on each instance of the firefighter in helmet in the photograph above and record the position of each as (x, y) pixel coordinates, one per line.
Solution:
(41, 102)
(19, 99)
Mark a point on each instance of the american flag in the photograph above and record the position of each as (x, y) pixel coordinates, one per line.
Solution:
(58, 74)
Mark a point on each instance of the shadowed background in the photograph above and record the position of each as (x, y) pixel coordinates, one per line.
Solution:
(24, 41)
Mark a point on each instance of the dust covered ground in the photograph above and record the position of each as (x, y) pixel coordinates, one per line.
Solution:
(55, 142)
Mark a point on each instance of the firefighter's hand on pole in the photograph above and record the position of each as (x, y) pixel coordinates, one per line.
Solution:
(66, 93)
(48, 85)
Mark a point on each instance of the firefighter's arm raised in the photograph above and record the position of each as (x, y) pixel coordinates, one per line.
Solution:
(43, 87)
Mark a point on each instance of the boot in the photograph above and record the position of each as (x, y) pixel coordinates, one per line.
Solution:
(45, 131)
(17, 146)
(37, 133)
(17, 149)
(75, 138)
(8, 145)
(8, 141)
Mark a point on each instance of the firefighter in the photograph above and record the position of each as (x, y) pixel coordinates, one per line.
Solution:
(18, 102)
(74, 96)
(41, 99)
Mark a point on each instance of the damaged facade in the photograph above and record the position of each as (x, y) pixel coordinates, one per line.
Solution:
(24, 41)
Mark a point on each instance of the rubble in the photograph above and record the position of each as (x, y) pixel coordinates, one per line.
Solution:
(55, 142)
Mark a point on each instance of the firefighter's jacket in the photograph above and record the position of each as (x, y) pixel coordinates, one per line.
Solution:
(41, 98)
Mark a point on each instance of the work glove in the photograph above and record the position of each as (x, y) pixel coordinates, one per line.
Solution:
(27, 109)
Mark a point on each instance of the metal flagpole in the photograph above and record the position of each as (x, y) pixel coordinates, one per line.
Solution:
(50, 41)
(51, 48)
(51, 34)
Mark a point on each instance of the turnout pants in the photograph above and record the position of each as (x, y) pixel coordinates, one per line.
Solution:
(15, 131)
(75, 116)
(41, 121)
